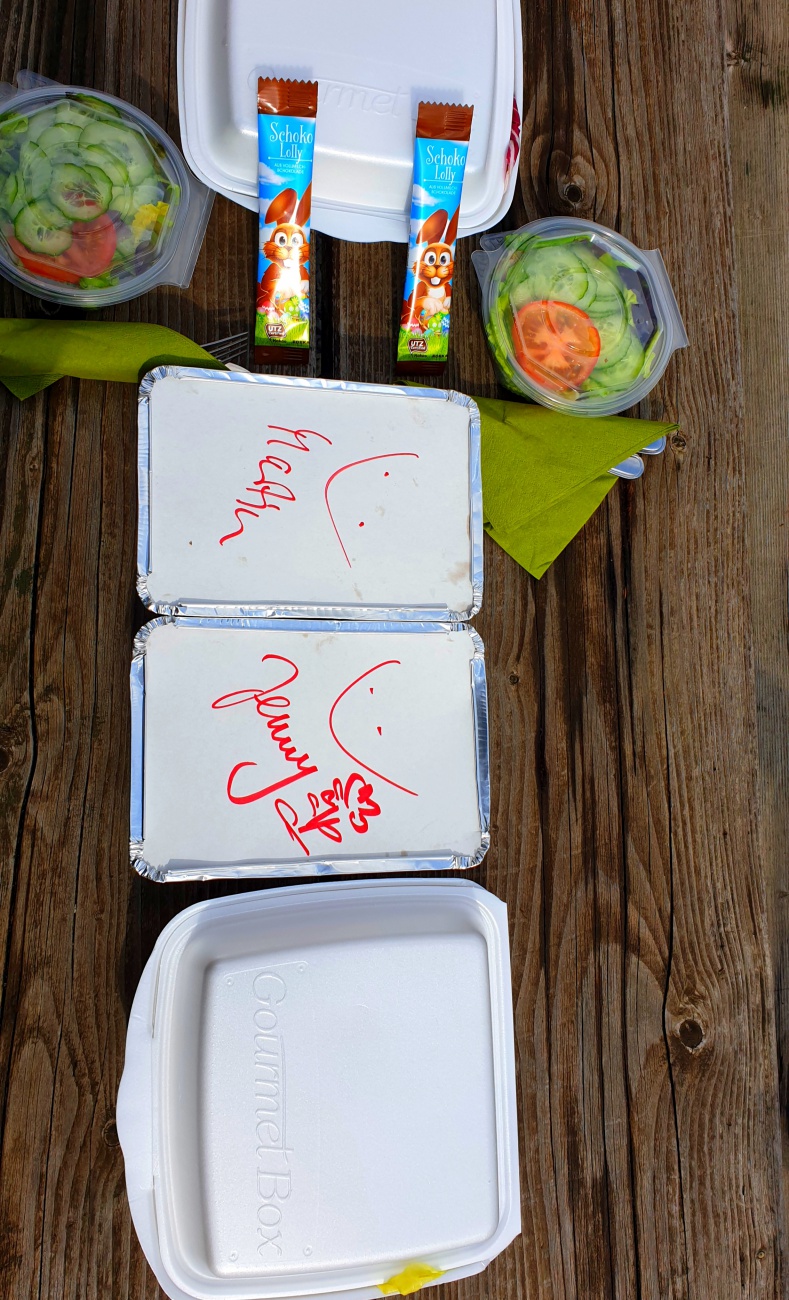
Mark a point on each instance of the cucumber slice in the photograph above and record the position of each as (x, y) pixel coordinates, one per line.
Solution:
(42, 228)
(99, 105)
(124, 144)
(609, 301)
(622, 373)
(122, 201)
(613, 347)
(96, 156)
(609, 304)
(78, 193)
(74, 114)
(609, 282)
(543, 266)
(520, 295)
(101, 179)
(574, 285)
(587, 302)
(39, 122)
(551, 272)
(8, 156)
(127, 200)
(58, 135)
(12, 195)
(67, 154)
(36, 170)
(149, 191)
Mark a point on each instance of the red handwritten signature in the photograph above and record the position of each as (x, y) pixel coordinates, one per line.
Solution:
(268, 491)
(355, 797)
(272, 707)
(351, 800)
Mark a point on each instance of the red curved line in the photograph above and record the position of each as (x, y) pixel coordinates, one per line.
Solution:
(298, 434)
(353, 757)
(389, 455)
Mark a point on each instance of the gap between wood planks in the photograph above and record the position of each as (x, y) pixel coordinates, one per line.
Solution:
(757, 58)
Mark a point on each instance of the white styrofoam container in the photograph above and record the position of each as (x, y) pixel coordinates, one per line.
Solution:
(319, 1089)
(373, 64)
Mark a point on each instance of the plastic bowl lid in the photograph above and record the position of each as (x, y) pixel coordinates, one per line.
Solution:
(578, 318)
(93, 197)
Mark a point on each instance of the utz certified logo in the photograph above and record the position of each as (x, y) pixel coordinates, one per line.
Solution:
(273, 1168)
(275, 331)
(417, 345)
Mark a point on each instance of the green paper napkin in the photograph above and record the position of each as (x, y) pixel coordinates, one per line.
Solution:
(544, 474)
(34, 353)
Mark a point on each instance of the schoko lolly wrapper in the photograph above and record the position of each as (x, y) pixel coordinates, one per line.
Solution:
(440, 152)
(286, 141)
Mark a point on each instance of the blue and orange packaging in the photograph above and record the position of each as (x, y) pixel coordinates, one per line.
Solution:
(440, 153)
(286, 145)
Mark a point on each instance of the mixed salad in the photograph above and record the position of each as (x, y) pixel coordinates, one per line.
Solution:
(570, 319)
(85, 196)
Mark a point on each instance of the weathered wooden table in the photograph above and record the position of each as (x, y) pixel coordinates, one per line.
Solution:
(636, 840)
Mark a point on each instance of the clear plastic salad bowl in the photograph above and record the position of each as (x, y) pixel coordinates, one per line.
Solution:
(96, 202)
(577, 317)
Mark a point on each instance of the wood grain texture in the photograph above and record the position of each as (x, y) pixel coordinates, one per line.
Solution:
(623, 712)
(757, 55)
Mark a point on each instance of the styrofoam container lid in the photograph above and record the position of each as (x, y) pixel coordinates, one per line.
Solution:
(319, 1089)
(373, 64)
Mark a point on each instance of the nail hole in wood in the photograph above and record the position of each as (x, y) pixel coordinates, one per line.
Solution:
(573, 193)
(691, 1034)
(514, 679)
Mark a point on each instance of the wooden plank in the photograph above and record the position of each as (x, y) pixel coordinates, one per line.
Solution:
(63, 1025)
(640, 941)
(20, 509)
(757, 56)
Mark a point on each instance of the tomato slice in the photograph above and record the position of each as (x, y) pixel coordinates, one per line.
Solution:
(555, 344)
(92, 246)
(51, 268)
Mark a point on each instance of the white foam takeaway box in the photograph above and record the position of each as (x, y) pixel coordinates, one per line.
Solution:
(311, 699)
(319, 1091)
(373, 64)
